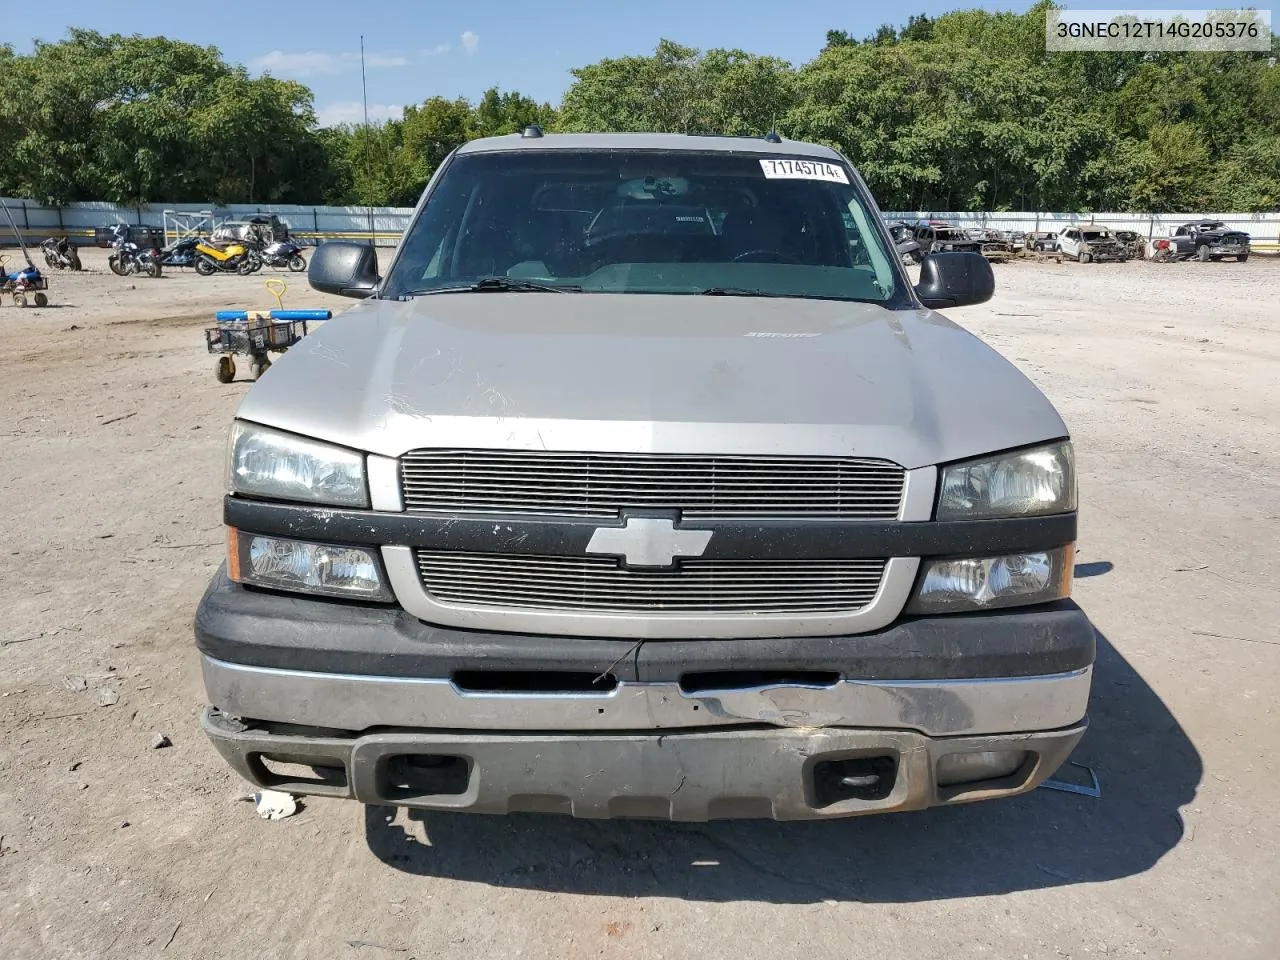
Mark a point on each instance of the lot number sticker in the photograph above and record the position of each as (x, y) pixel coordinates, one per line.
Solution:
(803, 170)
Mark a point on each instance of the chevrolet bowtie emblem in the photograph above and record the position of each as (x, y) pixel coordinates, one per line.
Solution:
(649, 542)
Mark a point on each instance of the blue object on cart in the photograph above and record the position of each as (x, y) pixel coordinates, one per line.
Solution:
(223, 316)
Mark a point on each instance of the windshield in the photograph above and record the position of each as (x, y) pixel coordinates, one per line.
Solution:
(631, 221)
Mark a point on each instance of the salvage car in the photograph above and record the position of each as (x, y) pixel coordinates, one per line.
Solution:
(1043, 241)
(936, 236)
(1133, 242)
(905, 242)
(1210, 240)
(627, 490)
(1089, 243)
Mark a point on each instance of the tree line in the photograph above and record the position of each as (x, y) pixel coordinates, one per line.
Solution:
(965, 110)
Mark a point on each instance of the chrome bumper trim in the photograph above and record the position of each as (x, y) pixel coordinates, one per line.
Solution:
(941, 708)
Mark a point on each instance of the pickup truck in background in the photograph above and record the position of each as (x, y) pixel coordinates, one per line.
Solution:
(1209, 240)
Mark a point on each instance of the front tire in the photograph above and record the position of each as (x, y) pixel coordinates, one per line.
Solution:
(153, 269)
(1202, 253)
(1082, 257)
(74, 256)
(225, 370)
(41, 299)
(298, 263)
(1242, 258)
(117, 268)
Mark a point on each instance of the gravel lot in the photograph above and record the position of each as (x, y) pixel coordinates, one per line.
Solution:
(112, 429)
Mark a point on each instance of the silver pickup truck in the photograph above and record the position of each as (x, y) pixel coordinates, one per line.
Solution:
(644, 483)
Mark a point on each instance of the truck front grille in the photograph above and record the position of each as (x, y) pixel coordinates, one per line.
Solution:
(600, 584)
(603, 485)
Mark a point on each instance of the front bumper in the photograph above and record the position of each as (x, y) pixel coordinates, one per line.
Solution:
(683, 729)
(778, 774)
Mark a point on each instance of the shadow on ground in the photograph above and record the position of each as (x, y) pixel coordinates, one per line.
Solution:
(1147, 767)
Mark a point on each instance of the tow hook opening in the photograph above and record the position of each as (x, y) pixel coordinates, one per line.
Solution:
(278, 770)
(414, 775)
(867, 778)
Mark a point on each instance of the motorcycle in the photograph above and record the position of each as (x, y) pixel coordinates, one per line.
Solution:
(60, 254)
(181, 253)
(285, 253)
(129, 259)
(229, 258)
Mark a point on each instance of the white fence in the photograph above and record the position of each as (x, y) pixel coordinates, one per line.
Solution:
(78, 220)
(386, 224)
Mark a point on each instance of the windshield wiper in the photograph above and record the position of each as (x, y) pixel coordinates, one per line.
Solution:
(503, 285)
(741, 292)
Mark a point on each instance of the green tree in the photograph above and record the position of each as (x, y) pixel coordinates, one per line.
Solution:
(138, 119)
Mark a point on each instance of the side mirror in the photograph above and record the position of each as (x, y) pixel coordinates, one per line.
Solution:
(955, 280)
(344, 268)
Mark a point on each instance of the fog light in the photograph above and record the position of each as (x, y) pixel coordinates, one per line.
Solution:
(326, 569)
(958, 768)
(983, 583)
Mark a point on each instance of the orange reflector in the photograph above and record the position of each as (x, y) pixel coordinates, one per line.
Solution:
(1068, 570)
(233, 554)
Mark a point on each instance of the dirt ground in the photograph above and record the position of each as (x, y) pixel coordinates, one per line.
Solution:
(112, 432)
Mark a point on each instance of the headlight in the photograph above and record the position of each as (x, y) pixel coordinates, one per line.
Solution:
(1025, 483)
(280, 466)
(984, 583)
(325, 569)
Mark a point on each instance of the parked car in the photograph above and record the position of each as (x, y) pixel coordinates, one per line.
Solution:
(1087, 242)
(905, 242)
(1043, 241)
(672, 547)
(1210, 240)
(936, 236)
(257, 231)
(992, 244)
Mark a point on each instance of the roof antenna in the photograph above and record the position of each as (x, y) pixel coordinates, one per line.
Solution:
(772, 136)
(532, 131)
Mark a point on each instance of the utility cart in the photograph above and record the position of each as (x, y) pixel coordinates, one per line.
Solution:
(256, 334)
(23, 286)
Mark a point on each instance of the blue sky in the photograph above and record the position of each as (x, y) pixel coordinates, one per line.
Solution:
(417, 50)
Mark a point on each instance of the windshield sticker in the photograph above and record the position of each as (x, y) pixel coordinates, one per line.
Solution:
(803, 170)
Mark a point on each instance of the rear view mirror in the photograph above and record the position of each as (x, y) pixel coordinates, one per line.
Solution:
(344, 268)
(954, 280)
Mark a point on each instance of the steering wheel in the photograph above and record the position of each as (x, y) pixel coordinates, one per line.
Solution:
(774, 256)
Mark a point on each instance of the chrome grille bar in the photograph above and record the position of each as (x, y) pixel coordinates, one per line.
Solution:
(604, 485)
(602, 584)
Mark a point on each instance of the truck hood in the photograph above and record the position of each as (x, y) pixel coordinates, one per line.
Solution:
(651, 373)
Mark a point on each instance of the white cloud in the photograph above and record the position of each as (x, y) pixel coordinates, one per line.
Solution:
(352, 111)
(435, 51)
(470, 41)
(314, 63)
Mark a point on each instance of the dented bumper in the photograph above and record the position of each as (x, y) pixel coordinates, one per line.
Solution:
(326, 698)
(698, 775)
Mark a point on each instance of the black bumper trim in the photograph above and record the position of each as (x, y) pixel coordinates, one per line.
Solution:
(240, 625)
(731, 540)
